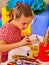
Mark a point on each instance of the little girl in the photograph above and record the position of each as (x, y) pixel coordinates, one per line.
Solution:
(44, 50)
(10, 33)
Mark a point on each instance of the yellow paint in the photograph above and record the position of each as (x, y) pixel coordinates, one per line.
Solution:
(5, 16)
(31, 54)
(26, 31)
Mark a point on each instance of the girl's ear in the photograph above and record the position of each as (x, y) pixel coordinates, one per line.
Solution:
(17, 19)
(14, 17)
(11, 13)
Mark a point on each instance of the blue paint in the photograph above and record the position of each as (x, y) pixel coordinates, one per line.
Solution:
(36, 6)
(0, 22)
(41, 22)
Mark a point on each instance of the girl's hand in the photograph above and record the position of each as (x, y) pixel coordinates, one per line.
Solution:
(26, 40)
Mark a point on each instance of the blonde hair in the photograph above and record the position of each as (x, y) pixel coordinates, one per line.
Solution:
(46, 37)
(20, 9)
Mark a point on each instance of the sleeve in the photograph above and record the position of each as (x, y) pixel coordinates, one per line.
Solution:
(0, 34)
(4, 32)
(10, 34)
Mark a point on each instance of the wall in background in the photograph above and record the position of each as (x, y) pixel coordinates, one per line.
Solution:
(2, 4)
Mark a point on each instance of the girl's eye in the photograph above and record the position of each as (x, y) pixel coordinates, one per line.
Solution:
(24, 23)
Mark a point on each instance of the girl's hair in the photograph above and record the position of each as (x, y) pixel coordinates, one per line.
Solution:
(46, 37)
(20, 9)
(0, 15)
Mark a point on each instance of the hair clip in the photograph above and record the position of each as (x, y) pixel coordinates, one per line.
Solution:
(19, 3)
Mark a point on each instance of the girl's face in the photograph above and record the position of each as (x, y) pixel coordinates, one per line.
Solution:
(23, 22)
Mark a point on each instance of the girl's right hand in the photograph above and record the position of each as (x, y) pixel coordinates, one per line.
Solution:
(26, 40)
